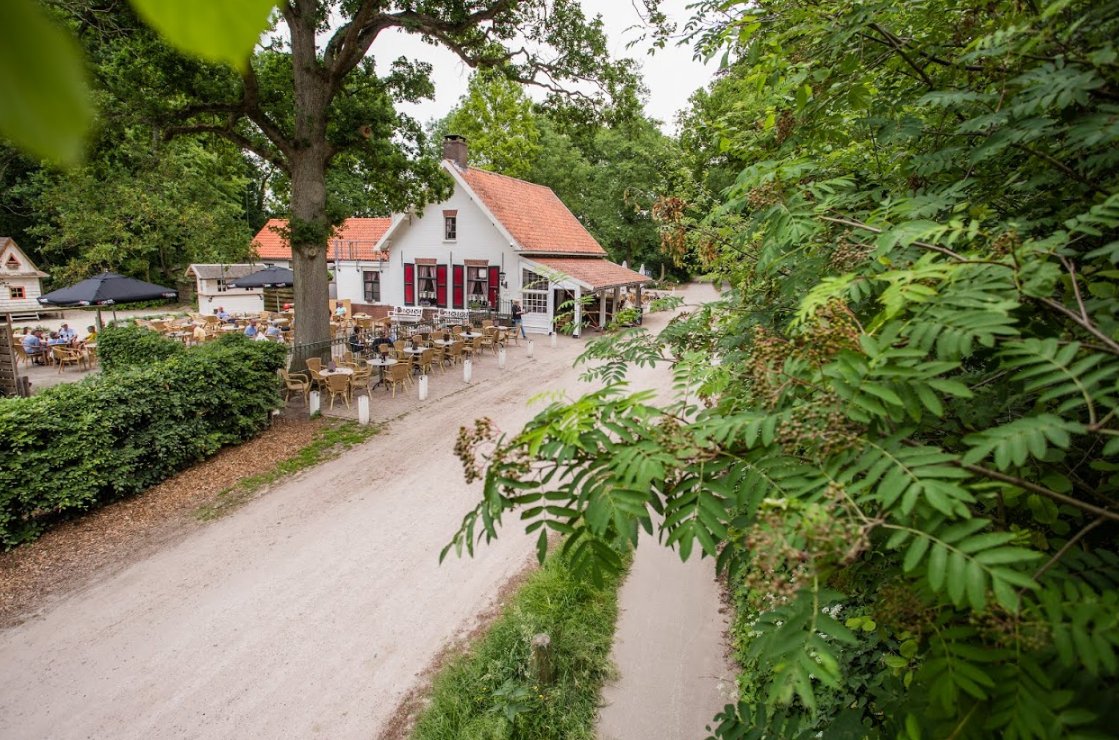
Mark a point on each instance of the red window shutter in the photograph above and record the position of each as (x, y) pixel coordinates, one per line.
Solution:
(441, 286)
(457, 289)
(409, 284)
(494, 272)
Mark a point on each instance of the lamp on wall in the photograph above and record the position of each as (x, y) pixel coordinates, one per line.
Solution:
(501, 279)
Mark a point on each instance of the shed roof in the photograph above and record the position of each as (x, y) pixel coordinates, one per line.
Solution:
(216, 272)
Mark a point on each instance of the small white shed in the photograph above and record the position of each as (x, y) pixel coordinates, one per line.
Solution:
(213, 288)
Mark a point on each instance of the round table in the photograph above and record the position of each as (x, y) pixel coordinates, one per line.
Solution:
(471, 335)
(380, 364)
(337, 371)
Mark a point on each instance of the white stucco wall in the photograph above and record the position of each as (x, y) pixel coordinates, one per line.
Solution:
(233, 301)
(477, 239)
(350, 282)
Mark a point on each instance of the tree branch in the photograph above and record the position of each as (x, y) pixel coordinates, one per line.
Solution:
(1026, 485)
(228, 132)
(1068, 546)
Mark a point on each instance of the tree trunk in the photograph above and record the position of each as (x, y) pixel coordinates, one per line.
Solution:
(309, 225)
(312, 294)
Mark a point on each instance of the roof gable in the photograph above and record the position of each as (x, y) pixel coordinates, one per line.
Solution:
(355, 239)
(536, 218)
(14, 262)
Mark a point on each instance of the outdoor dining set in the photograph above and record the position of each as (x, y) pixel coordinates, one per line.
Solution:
(370, 360)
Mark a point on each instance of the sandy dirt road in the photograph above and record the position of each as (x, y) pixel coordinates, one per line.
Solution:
(310, 612)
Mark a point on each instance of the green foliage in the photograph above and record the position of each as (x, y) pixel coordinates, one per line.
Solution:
(896, 430)
(79, 445)
(47, 107)
(489, 691)
(125, 347)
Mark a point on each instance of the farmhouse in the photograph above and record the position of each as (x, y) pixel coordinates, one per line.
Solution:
(496, 238)
(20, 281)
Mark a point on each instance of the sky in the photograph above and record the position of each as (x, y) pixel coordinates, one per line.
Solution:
(671, 74)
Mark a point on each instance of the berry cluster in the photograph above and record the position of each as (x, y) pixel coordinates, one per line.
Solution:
(819, 429)
(791, 543)
(764, 196)
(467, 444)
(848, 255)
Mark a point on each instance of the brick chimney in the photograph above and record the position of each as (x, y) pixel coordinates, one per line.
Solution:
(455, 149)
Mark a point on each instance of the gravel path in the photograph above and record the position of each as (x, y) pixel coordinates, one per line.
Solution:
(311, 611)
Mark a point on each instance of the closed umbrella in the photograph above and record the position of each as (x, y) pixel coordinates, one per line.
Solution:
(106, 289)
(269, 277)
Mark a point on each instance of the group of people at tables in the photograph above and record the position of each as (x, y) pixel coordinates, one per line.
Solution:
(38, 347)
(259, 329)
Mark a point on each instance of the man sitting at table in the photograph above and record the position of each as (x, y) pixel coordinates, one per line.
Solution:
(33, 346)
(274, 332)
(56, 340)
(67, 333)
(250, 330)
(222, 315)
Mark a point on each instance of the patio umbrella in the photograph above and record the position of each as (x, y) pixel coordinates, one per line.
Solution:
(269, 277)
(106, 289)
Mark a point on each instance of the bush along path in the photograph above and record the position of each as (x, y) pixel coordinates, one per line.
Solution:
(537, 671)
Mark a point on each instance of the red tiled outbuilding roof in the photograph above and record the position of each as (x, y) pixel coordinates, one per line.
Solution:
(594, 272)
(532, 214)
(355, 239)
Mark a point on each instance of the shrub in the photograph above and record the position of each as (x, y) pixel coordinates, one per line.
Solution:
(120, 347)
(77, 446)
(488, 692)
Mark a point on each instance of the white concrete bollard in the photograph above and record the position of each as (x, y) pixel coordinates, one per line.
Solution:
(552, 337)
(501, 357)
(363, 410)
(422, 387)
(531, 347)
(467, 370)
(313, 403)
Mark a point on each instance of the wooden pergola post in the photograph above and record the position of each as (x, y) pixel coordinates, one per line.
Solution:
(602, 311)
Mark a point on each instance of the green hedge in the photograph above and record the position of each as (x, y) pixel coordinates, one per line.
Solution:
(120, 347)
(77, 446)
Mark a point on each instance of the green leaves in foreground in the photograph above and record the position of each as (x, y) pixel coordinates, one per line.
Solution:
(46, 107)
(217, 30)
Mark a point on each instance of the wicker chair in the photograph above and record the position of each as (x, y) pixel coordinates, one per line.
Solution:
(361, 379)
(295, 383)
(338, 384)
(399, 374)
(64, 356)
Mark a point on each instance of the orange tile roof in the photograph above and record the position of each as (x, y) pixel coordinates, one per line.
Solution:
(536, 218)
(353, 240)
(596, 272)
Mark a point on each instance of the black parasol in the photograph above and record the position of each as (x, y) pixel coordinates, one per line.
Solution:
(269, 277)
(106, 289)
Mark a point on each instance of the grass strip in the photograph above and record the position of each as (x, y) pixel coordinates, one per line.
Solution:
(330, 442)
(488, 692)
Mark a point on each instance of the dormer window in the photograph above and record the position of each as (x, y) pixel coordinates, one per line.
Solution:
(12, 263)
(450, 226)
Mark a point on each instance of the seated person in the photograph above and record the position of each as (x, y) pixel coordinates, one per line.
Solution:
(356, 345)
(55, 340)
(274, 331)
(90, 335)
(33, 346)
(222, 315)
(250, 330)
(340, 311)
(260, 337)
(67, 333)
(199, 334)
